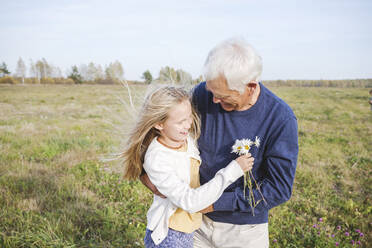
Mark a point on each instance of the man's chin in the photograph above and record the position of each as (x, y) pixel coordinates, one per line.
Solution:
(227, 107)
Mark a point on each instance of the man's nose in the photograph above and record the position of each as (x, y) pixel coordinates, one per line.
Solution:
(216, 100)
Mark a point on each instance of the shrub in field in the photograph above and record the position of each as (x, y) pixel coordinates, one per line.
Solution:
(7, 80)
(47, 81)
(75, 75)
(63, 81)
(18, 80)
(31, 80)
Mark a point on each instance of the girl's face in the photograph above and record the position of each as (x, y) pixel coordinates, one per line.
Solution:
(174, 131)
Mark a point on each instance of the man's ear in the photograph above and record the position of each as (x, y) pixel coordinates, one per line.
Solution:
(159, 126)
(251, 86)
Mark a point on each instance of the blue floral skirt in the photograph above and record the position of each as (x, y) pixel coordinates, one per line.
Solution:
(174, 239)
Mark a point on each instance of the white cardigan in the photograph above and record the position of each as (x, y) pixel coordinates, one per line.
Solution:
(169, 171)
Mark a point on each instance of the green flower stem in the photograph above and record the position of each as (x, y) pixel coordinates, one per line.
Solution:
(248, 178)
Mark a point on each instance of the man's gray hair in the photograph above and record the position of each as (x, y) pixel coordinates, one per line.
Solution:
(237, 61)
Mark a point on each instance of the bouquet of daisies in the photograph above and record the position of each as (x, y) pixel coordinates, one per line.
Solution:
(242, 147)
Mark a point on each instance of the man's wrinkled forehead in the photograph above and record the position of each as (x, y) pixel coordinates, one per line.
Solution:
(209, 87)
(217, 87)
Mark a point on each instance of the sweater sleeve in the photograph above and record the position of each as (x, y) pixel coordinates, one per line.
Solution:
(279, 165)
(162, 174)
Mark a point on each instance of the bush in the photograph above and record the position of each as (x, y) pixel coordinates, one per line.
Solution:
(7, 80)
(64, 81)
(47, 81)
(31, 81)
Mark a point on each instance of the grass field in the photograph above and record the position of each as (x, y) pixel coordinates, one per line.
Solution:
(55, 191)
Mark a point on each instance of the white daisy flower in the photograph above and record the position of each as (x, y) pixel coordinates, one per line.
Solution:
(237, 147)
(247, 144)
(242, 147)
(257, 142)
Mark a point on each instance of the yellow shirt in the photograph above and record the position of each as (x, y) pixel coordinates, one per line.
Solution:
(181, 220)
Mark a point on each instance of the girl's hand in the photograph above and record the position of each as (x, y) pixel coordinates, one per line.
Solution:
(207, 209)
(245, 162)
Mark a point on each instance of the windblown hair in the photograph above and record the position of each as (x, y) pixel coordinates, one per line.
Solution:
(236, 61)
(154, 110)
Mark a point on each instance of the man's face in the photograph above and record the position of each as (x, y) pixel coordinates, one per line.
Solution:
(230, 100)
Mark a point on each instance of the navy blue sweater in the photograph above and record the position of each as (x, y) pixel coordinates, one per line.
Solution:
(270, 119)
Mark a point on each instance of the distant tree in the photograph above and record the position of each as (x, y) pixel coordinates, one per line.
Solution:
(75, 75)
(21, 69)
(170, 75)
(40, 69)
(83, 70)
(167, 75)
(34, 71)
(57, 72)
(98, 75)
(4, 70)
(48, 68)
(183, 77)
(147, 76)
(91, 71)
(115, 71)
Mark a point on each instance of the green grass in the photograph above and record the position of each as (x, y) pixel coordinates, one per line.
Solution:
(55, 191)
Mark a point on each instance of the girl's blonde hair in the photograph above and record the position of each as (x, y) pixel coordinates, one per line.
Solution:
(154, 110)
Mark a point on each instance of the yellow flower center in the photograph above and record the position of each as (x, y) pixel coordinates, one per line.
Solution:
(246, 147)
(239, 147)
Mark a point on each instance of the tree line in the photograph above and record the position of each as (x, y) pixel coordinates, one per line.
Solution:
(43, 72)
(341, 83)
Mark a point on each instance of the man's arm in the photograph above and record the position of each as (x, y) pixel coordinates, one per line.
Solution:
(279, 163)
(146, 181)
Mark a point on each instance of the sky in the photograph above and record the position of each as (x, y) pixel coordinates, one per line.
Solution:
(308, 39)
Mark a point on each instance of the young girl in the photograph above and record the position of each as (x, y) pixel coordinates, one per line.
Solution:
(163, 143)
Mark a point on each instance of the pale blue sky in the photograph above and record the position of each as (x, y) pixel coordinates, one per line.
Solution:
(329, 39)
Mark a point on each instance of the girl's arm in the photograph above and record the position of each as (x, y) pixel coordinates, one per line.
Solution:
(162, 174)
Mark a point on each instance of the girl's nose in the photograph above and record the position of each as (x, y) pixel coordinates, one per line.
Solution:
(188, 124)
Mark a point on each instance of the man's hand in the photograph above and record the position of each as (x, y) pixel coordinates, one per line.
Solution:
(207, 209)
(146, 181)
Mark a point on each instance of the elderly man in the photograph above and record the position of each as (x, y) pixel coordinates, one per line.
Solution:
(234, 105)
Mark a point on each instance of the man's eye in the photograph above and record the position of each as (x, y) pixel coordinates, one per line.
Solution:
(220, 97)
